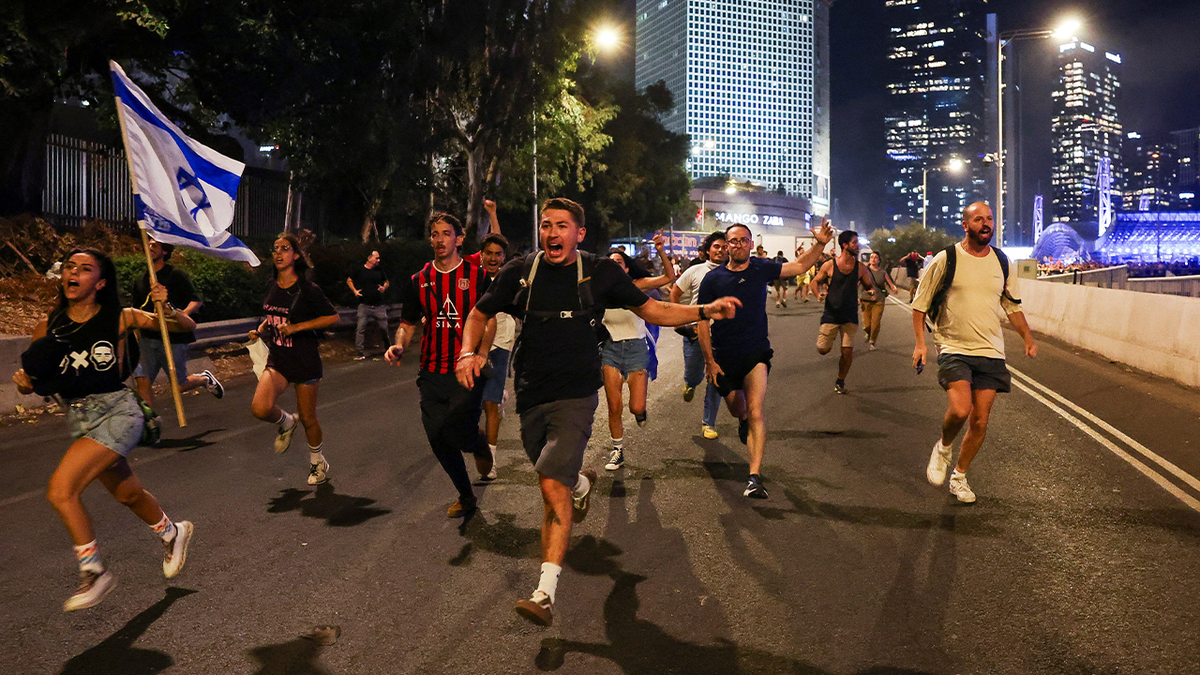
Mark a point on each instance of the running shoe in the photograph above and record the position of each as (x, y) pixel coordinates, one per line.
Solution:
(538, 609)
(777, 304)
(871, 347)
(640, 418)
(754, 488)
(581, 503)
(743, 430)
(960, 489)
(784, 303)
(284, 439)
(490, 474)
(212, 384)
(688, 393)
(709, 432)
(616, 460)
(839, 387)
(93, 587)
(939, 460)
(318, 473)
(176, 554)
(461, 507)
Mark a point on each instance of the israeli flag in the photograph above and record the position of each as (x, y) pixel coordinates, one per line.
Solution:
(184, 191)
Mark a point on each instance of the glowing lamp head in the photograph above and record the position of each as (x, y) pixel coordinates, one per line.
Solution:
(607, 38)
(1066, 30)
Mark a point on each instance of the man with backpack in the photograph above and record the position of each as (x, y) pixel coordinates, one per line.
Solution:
(962, 292)
(560, 293)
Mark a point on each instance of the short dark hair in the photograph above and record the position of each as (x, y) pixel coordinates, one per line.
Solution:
(712, 238)
(564, 204)
(167, 250)
(497, 239)
(744, 227)
(845, 237)
(450, 220)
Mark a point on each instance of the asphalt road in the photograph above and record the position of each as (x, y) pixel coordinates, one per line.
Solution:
(1075, 560)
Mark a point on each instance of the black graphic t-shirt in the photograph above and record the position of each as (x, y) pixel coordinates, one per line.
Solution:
(180, 293)
(368, 281)
(92, 366)
(295, 356)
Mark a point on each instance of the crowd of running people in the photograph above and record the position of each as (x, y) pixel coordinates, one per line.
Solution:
(584, 320)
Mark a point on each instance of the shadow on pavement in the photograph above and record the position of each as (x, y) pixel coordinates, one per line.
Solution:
(295, 657)
(188, 443)
(116, 654)
(336, 510)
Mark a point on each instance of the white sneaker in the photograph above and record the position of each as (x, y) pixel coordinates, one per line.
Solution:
(491, 475)
(284, 439)
(318, 473)
(92, 589)
(176, 554)
(939, 461)
(960, 489)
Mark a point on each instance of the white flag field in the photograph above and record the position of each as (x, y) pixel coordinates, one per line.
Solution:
(183, 190)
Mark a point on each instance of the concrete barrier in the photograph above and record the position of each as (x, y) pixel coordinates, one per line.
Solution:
(1156, 333)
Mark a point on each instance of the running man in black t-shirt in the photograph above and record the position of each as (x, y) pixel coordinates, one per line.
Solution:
(441, 295)
(295, 309)
(844, 274)
(557, 367)
(368, 284)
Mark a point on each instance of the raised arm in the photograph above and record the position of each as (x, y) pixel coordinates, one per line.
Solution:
(668, 275)
(823, 234)
(493, 221)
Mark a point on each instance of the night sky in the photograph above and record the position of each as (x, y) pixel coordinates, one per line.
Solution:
(1159, 41)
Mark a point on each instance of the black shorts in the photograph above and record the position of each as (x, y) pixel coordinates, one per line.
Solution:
(981, 371)
(735, 369)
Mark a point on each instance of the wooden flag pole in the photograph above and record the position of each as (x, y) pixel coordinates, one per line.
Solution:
(158, 308)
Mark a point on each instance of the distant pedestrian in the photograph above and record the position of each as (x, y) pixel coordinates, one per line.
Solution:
(970, 283)
(803, 280)
(182, 295)
(872, 300)
(737, 351)
(442, 294)
(90, 333)
(839, 322)
(685, 291)
(295, 309)
(625, 354)
(781, 283)
(560, 293)
(369, 283)
(912, 267)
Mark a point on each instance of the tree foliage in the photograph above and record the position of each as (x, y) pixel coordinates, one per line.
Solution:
(892, 245)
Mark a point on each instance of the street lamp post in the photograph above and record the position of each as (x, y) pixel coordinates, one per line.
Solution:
(1065, 30)
(953, 165)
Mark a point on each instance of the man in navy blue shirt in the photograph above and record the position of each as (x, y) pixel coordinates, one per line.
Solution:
(737, 351)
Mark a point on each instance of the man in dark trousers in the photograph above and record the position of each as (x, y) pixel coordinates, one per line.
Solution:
(182, 296)
(844, 274)
(441, 295)
(369, 283)
(560, 293)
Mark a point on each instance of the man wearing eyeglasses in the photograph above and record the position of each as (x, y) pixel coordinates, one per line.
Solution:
(737, 351)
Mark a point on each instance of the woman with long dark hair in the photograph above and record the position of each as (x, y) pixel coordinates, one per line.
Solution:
(295, 309)
(102, 414)
(625, 355)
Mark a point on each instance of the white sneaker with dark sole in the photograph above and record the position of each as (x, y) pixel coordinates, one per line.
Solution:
(318, 473)
(92, 589)
(177, 548)
(283, 440)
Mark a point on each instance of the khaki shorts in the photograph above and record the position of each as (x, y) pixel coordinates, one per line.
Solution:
(829, 331)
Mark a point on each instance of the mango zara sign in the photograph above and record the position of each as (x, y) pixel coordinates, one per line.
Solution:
(747, 219)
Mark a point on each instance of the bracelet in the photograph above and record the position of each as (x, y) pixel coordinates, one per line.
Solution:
(703, 316)
(464, 355)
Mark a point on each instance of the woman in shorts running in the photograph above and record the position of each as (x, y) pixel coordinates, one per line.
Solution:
(295, 310)
(625, 356)
(102, 414)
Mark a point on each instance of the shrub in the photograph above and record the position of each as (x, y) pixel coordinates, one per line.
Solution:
(229, 289)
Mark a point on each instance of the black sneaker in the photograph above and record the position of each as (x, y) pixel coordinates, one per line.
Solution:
(754, 488)
(537, 609)
(743, 430)
(640, 418)
(616, 460)
(212, 384)
(839, 387)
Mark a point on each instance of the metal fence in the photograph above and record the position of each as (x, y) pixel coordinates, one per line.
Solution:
(1108, 277)
(90, 181)
(1118, 277)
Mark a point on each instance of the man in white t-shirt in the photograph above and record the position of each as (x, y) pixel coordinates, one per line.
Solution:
(970, 344)
(683, 291)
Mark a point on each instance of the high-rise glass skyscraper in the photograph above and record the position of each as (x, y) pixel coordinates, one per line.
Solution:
(1084, 129)
(751, 85)
(937, 78)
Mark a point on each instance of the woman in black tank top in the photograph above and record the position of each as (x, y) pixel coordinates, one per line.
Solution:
(102, 414)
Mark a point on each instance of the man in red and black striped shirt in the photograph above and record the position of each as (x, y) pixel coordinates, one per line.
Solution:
(441, 295)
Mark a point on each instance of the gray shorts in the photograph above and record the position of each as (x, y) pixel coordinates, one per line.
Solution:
(556, 434)
(113, 420)
(154, 359)
(627, 356)
(981, 372)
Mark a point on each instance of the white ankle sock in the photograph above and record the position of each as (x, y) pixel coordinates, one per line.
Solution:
(618, 443)
(492, 448)
(165, 528)
(958, 474)
(582, 485)
(314, 455)
(284, 421)
(89, 559)
(548, 583)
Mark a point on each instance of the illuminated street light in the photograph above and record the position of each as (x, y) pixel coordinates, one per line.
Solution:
(1065, 30)
(955, 165)
(730, 190)
(607, 38)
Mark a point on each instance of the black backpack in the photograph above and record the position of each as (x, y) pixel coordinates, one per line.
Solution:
(939, 296)
(586, 265)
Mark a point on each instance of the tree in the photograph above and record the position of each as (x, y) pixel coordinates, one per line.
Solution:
(892, 245)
